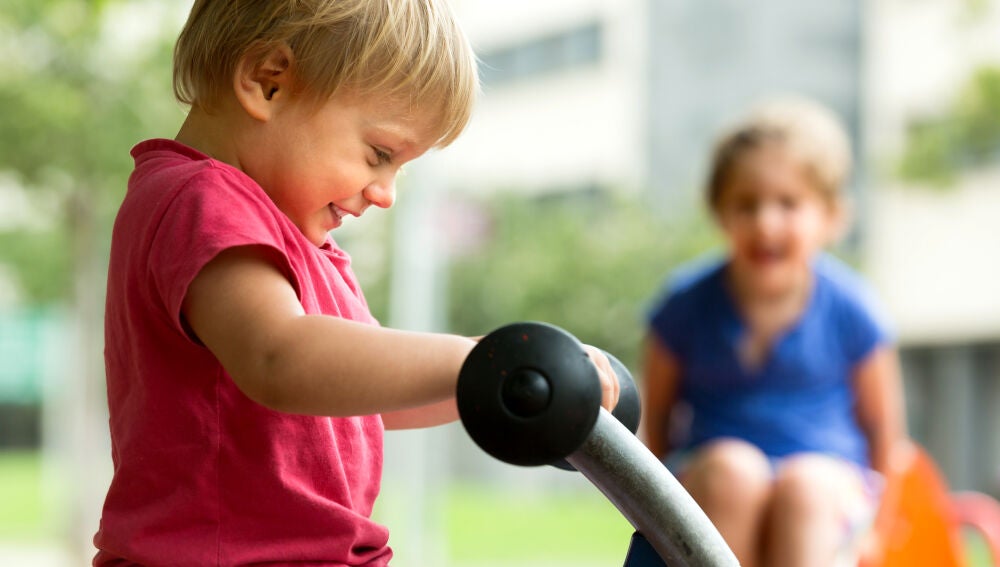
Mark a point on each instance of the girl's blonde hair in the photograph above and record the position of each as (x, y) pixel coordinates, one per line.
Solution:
(409, 50)
(812, 134)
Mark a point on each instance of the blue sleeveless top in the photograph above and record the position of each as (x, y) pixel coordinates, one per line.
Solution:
(801, 398)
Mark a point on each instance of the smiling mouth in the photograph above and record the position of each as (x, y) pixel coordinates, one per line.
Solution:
(340, 213)
(767, 256)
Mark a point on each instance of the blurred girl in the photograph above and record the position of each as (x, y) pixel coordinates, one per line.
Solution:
(778, 352)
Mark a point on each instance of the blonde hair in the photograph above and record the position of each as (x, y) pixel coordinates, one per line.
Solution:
(411, 50)
(811, 132)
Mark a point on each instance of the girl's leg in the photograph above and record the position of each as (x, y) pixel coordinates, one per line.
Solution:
(730, 480)
(814, 497)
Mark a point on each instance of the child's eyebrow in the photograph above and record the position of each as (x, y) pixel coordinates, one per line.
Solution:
(396, 138)
(402, 143)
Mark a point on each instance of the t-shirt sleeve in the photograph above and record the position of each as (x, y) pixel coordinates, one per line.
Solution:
(662, 319)
(667, 318)
(679, 306)
(866, 328)
(210, 213)
(864, 322)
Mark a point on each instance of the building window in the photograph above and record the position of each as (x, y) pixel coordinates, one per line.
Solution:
(550, 54)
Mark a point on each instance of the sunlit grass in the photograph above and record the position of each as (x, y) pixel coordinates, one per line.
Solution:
(484, 526)
(507, 528)
(21, 511)
(977, 551)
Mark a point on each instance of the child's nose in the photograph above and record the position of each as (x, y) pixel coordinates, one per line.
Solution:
(382, 193)
(768, 218)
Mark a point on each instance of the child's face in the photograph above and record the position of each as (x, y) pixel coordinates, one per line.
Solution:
(775, 219)
(320, 166)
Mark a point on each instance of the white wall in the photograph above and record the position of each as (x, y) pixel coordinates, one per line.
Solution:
(932, 253)
(582, 126)
(935, 257)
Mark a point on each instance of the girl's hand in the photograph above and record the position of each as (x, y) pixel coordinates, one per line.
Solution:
(610, 388)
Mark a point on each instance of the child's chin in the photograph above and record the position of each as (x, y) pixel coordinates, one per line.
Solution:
(317, 239)
(766, 270)
(773, 278)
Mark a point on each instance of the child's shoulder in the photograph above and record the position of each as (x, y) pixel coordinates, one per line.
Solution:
(841, 279)
(848, 292)
(168, 172)
(691, 285)
(695, 276)
(689, 299)
(178, 194)
(160, 155)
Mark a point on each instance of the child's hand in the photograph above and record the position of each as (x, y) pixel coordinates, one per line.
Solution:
(610, 388)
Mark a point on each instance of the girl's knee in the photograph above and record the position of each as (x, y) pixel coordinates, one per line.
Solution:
(728, 470)
(813, 485)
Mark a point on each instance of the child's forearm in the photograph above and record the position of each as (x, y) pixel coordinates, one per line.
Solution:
(424, 416)
(654, 437)
(880, 451)
(880, 408)
(661, 375)
(327, 366)
(247, 314)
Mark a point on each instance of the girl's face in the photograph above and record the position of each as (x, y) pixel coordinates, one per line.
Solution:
(321, 166)
(775, 219)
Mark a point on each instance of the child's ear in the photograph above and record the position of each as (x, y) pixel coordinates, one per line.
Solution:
(259, 82)
(841, 216)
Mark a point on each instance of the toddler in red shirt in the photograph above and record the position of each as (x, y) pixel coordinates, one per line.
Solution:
(248, 384)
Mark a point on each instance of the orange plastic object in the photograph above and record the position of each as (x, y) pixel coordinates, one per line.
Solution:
(915, 523)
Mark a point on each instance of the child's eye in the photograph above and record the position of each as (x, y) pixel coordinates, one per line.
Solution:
(381, 156)
(789, 203)
(745, 206)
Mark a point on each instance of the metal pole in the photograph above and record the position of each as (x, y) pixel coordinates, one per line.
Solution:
(649, 497)
(411, 478)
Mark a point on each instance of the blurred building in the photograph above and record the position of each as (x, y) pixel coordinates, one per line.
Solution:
(930, 250)
(627, 95)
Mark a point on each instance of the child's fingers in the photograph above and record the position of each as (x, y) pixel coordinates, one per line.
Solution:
(610, 389)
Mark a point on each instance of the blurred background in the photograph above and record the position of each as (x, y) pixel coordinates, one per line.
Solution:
(574, 192)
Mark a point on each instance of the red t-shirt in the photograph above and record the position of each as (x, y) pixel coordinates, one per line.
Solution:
(202, 474)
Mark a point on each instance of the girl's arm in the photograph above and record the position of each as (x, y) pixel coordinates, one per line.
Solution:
(880, 406)
(660, 378)
(242, 308)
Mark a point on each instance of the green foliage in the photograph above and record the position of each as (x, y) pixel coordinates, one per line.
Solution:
(589, 265)
(976, 9)
(966, 136)
(47, 254)
(73, 104)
